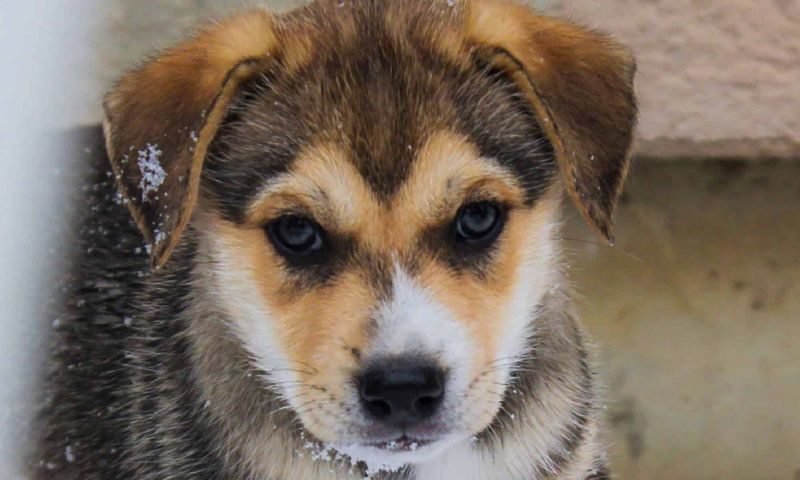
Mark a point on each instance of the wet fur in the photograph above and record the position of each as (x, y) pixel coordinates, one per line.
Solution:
(150, 379)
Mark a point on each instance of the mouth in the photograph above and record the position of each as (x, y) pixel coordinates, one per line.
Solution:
(392, 455)
(401, 444)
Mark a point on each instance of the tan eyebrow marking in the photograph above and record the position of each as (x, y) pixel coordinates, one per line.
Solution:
(446, 170)
(324, 182)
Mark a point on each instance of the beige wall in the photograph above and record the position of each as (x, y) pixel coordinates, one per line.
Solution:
(717, 78)
(696, 313)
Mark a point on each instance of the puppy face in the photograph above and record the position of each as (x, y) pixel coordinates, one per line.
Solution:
(379, 188)
(408, 233)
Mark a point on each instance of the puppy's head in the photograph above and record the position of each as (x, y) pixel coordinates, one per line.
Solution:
(375, 188)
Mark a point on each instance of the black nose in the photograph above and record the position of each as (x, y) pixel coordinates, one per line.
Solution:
(399, 393)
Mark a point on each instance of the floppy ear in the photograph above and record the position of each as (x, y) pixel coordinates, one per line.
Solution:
(580, 85)
(161, 118)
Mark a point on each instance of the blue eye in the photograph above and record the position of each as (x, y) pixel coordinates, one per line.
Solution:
(479, 222)
(295, 236)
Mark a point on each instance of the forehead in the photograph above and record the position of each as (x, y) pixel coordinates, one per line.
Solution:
(325, 184)
(379, 100)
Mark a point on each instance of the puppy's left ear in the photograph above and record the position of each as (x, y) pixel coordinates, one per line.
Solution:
(580, 85)
(161, 118)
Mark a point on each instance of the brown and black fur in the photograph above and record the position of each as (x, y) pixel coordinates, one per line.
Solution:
(148, 383)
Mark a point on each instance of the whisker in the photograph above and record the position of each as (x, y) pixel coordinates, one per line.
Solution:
(601, 244)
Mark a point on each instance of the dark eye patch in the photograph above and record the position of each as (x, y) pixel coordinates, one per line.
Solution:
(344, 254)
(299, 240)
(317, 258)
(445, 241)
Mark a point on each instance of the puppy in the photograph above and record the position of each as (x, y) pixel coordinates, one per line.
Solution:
(351, 217)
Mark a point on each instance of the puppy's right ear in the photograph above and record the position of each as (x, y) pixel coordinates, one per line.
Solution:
(161, 118)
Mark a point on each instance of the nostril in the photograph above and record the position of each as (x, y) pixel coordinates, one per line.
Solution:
(372, 394)
(426, 406)
(378, 408)
(431, 394)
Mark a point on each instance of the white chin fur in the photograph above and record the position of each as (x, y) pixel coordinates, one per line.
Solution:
(378, 459)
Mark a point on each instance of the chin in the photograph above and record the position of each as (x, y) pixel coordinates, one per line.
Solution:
(394, 455)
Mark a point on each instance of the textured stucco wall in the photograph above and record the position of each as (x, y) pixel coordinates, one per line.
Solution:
(717, 78)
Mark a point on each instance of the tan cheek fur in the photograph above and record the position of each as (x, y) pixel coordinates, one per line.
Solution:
(479, 302)
(318, 327)
(444, 168)
(322, 329)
